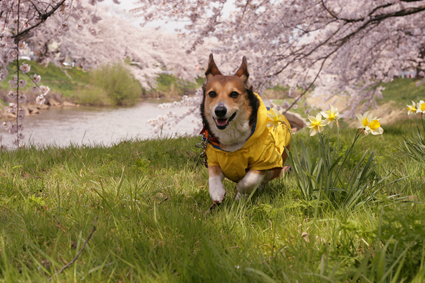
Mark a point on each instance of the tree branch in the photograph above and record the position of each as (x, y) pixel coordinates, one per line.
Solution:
(329, 11)
(311, 84)
(43, 18)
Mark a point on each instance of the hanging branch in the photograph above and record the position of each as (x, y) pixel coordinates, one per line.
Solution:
(42, 17)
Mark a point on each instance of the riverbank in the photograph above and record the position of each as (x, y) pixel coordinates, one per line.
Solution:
(147, 201)
(71, 87)
(32, 108)
(108, 85)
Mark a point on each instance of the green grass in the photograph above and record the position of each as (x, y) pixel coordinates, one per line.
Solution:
(147, 200)
(171, 86)
(52, 76)
(110, 85)
(300, 108)
(402, 92)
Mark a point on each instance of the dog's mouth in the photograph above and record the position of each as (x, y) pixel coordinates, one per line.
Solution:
(223, 123)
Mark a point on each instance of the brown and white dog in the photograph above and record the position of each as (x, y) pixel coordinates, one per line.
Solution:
(231, 115)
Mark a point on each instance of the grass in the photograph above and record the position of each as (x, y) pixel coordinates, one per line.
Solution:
(53, 76)
(402, 92)
(171, 86)
(399, 93)
(300, 106)
(110, 85)
(105, 86)
(147, 199)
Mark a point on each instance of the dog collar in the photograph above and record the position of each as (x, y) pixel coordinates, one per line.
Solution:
(215, 142)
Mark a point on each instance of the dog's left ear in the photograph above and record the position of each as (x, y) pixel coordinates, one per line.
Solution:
(242, 72)
(212, 69)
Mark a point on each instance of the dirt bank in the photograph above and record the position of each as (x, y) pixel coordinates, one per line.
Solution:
(388, 112)
(31, 107)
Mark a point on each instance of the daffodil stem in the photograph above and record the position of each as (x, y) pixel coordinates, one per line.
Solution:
(348, 152)
(422, 118)
(337, 141)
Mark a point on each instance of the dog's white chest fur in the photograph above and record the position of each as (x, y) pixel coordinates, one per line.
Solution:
(235, 136)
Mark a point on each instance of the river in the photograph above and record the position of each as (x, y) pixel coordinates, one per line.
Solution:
(97, 125)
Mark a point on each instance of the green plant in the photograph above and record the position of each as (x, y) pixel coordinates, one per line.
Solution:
(322, 174)
(59, 79)
(93, 96)
(118, 83)
(169, 85)
(149, 199)
(414, 146)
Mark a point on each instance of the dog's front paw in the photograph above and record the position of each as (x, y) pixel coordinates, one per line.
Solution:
(217, 194)
(240, 196)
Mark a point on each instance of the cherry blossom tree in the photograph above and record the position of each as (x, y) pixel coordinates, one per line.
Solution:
(303, 43)
(150, 51)
(20, 20)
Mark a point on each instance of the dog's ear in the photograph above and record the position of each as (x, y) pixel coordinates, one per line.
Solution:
(212, 69)
(242, 72)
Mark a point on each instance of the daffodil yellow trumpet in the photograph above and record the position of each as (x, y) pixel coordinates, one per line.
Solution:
(316, 124)
(416, 108)
(368, 124)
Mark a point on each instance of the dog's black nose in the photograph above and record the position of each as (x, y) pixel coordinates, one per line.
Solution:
(220, 111)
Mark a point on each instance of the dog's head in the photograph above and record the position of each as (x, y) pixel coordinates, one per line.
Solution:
(227, 99)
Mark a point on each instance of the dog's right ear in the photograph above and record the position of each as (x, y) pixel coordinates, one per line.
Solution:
(242, 72)
(212, 69)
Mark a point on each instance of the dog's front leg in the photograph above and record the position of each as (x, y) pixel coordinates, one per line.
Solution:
(215, 181)
(249, 182)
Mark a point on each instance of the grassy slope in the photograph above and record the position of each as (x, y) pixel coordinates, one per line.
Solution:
(400, 92)
(403, 91)
(54, 77)
(149, 197)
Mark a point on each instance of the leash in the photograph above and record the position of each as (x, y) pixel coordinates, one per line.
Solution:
(203, 145)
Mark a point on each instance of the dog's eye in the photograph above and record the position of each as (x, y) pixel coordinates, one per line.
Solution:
(212, 94)
(234, 94)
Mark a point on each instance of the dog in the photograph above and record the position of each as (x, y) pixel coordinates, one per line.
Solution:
(240, 145)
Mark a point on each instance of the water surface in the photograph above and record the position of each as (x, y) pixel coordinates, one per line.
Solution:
(96, 125)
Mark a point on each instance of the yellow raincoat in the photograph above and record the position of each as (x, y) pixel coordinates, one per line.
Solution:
(262, 151)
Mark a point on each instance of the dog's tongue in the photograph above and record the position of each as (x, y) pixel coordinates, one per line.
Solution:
(221, 122)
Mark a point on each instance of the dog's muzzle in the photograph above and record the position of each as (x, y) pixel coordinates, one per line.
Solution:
(222, 123)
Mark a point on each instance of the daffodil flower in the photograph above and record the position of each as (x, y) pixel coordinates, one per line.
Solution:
(331, 116)
(364, 119)
(374, 127)
(316, 124)
(420, 107)
(411, 108)
(274, 118)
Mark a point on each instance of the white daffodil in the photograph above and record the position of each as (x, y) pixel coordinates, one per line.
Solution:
(420, 108)
(374, 127)
(274, 118)
(316, 124)
(411, 108)
(364, 119)
(331, 116)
